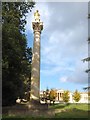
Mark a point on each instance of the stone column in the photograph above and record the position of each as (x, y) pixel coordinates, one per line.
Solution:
(35, 74)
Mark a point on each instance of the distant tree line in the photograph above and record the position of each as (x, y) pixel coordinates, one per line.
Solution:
(66, 96)
(49, 96)
(16, 56)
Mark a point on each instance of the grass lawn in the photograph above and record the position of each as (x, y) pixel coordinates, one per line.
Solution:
(71, 110)
(85, 107)
(61, 111)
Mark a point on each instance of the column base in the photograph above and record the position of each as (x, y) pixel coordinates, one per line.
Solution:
(34, 98)
(34, 104)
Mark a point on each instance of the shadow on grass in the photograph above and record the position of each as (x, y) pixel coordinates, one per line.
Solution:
(23, 112)
(72, 113)
(58, 112)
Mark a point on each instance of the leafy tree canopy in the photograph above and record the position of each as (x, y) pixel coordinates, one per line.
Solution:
(16, 57)
(66, 96)
(76, 96)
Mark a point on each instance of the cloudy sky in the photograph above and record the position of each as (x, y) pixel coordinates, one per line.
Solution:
(63, 44)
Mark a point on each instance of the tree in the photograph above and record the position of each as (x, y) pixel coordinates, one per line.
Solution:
(15, 63)
(88, 58)
(76, 96)
(49, 95)
(88, 91)
(46, 95)
(86, 88)
(66, 96)
(52, 95)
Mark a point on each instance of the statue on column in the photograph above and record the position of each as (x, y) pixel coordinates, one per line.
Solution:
(37, 16)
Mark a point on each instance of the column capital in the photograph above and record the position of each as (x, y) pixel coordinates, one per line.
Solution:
(37, 26)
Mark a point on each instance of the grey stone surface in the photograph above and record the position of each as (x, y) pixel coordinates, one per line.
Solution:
(35, 74)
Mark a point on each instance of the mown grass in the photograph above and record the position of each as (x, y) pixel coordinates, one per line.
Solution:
(61, 111)
(72, 113)
(71, 110)
(85, 107)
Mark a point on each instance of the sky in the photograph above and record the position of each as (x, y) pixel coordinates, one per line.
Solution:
(63, 44)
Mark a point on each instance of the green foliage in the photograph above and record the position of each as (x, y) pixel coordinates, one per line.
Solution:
(76, 96)
(87, 88)
(46, 95)
(49, 95)
(15, 54)
(86, 59)
(66, 96)
(88, 16)
(52, 95)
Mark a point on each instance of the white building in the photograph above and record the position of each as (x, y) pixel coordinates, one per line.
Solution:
(59, 96)
(84, 97)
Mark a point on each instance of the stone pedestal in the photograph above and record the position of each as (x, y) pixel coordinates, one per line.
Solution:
(35, 74)
(36, 105)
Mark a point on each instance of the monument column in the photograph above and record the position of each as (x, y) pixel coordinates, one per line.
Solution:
(35, 73)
